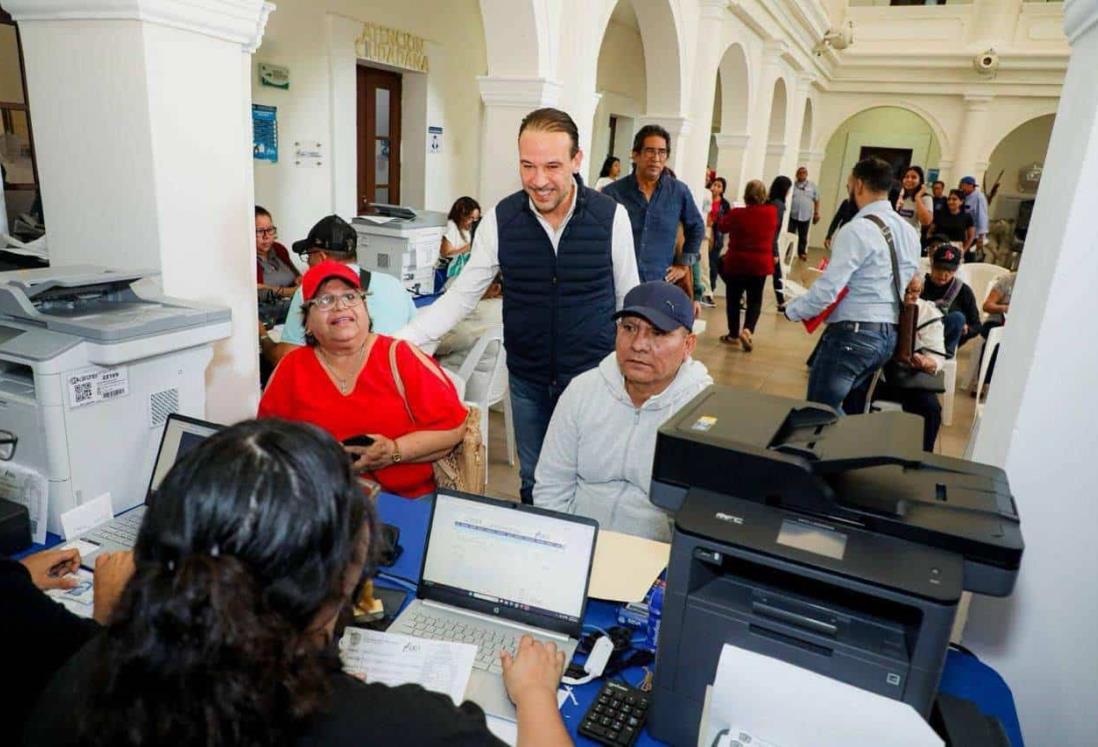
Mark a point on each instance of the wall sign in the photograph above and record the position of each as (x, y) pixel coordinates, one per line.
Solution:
(265, 133)
(391, 47)
(275, 76)
(434, 139)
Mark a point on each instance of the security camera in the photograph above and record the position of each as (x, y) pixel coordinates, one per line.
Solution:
(839, 38)
(987, 62)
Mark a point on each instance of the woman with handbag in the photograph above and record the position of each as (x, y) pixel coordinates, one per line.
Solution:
(343, 381)
(916, 387)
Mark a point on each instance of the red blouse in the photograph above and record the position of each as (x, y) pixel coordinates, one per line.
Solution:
(300, 389)
(750, 233)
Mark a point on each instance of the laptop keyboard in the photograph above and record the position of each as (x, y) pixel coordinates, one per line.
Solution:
(122, 530)
(489, 641)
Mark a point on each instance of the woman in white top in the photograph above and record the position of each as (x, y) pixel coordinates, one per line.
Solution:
(458, 239)
(915, 204)
(610, 171)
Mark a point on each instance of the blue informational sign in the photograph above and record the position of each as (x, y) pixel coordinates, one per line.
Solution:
(931, 176)
(265, 133)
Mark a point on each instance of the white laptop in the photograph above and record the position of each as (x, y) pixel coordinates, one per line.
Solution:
(493, 571)
(181, 434)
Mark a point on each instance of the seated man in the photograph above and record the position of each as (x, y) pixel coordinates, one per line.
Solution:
(953, 298)
(597, 457)
(389, 305)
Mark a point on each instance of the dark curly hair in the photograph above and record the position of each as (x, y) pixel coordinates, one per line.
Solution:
(245, 548)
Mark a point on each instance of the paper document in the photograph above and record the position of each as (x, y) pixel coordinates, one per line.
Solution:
(378, 219)
(625, 566)
(762, 701)
(87, 516)
(78, 599)
(27, 487)
(439, 666)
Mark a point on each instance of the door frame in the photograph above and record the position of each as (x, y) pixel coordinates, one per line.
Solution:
(367, 78)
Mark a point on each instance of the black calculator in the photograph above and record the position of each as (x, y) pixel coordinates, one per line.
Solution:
(617, 715)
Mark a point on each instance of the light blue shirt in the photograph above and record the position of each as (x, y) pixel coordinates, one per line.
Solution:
(976, 206)
(803, 204)
(390, 307)
(860, 262)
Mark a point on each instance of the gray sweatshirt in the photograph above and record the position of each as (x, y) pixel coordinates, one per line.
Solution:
(596, 460)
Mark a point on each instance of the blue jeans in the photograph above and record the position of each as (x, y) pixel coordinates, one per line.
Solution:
(532, 406)
(844, 363)
(954, 327)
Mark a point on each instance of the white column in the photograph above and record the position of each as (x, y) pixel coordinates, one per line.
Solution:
(143, 134)
(1040, 426)
(967, 161)
(679, 128)
(759, 123)
(772, 166)
(703, 78)
(506, 102)
(947, 175)
(731, 150)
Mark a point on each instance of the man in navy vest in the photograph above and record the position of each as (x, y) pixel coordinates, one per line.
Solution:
(657, 203)
(566, 255)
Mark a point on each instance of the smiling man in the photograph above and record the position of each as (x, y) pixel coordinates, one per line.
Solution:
(566, 255)
(597, 456)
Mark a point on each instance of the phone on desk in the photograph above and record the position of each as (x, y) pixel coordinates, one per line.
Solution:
(361, 440)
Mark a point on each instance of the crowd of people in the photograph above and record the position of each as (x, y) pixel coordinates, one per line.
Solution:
(220, 627)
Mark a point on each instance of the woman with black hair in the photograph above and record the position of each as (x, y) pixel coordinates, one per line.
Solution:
(610, 171)
(715, 209)
(250, 549)
(457, 242)
(779, 190)
(914, 203)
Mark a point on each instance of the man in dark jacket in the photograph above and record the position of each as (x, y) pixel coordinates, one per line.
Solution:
(953, 297)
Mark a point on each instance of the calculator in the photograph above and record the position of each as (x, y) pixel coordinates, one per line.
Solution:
(617, 715)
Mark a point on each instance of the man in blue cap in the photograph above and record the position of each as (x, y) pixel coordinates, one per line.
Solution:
(596, 459)
(976, 206)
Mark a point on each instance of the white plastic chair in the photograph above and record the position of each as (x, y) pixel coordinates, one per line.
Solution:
(485, 389)
(980, 277)
(994, 338)
(949, 374)
(790, 288)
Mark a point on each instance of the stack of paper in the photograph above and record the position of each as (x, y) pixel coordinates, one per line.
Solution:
(392, 659)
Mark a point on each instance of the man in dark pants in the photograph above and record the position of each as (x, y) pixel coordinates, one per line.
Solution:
(804, 210)
(861, 330)
(657, 203)
(566, 255)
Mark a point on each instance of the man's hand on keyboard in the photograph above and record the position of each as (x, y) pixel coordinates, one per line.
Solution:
(535, 670)
(112, 572)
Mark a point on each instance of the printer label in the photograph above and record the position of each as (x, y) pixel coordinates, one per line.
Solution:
(87, 386)
(704, 423)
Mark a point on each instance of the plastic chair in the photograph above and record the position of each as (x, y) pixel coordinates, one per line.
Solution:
(981, 276)
(485, 389)
(949, 373)
(994, 339)
(880, 405)
(790, 288)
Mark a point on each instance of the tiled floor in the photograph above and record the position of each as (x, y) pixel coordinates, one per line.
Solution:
(776, 366)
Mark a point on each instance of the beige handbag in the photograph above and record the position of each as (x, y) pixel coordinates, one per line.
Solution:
(465, 467)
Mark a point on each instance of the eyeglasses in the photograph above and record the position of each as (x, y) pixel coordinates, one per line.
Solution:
(272, 231)
(328, 301)
(657, 153)
(8, 441)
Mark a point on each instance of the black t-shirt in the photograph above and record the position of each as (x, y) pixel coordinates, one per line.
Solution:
(953, 226)
(357, 713)
(965, 301)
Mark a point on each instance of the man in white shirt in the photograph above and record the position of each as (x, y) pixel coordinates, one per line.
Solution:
(804, 210)
(566, 256)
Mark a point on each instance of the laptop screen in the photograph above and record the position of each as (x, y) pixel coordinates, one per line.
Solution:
(510, 560)
(181, 434)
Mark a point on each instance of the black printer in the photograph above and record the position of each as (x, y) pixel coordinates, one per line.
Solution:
(834, 543)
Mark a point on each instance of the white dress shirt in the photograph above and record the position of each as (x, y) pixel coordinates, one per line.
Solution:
(434, 321)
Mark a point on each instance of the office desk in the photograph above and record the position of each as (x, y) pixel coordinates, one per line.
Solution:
(965, 676)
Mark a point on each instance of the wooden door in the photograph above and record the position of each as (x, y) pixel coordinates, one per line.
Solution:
(378, 136)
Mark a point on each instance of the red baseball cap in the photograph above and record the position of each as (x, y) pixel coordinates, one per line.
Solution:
(326, 270)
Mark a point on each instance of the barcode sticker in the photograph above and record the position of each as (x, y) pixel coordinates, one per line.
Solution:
(95, 384)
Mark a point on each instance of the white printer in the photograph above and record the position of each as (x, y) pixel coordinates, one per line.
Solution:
(90, 368)
(401, 242)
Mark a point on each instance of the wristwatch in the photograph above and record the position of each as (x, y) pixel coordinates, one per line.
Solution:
(396, 452)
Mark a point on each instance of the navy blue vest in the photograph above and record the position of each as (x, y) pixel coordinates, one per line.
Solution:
(557, 309)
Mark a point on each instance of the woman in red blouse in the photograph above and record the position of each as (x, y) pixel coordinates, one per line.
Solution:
(748, 261)
(343, 382)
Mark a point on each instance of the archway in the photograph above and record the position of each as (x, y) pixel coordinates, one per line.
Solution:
(886, 129)
(639, 76)
(732, 107)
(806, 130)
(775, 143)
(1015, 165)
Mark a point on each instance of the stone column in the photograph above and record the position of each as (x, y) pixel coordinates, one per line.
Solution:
(143, 134)
(703, 84)
(731, 150)
(967, 160)
(1039, 425)
(506, 102)
(759, 123)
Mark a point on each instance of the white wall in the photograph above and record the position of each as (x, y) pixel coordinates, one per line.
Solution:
(314, 38)
(1021, 148)
(622, 83)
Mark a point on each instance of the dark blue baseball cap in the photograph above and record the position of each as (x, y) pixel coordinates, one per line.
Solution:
(663, 305)
(969, 180)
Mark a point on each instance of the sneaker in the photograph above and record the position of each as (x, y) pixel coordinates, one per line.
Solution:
(708, 302)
